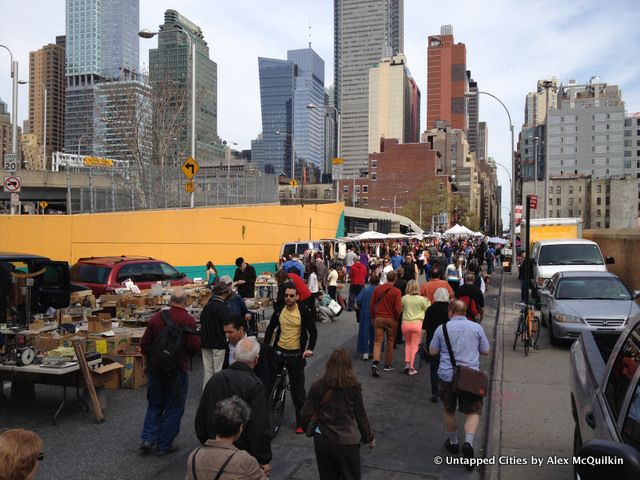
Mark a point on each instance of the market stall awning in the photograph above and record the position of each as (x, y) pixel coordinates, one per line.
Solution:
(459, 230)
(499, 240)
(371, 235)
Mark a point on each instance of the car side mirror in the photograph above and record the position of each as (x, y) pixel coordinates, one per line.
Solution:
(610, 261)
(625, 459)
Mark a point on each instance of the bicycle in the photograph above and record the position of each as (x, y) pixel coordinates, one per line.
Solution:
(528, 329)
(277, 399)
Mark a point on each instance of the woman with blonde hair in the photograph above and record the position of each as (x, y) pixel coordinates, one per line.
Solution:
(20, 453)
(335, 401)
(414, 308)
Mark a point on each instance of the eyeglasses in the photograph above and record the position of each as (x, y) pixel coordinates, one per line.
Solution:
(288, 295)
(40, 456)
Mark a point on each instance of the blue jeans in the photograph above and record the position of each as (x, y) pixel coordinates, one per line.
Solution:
(166, 399)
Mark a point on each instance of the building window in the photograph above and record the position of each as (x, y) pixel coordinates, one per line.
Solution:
(599, 188)
(374, 163)
(571, 202)
(365, 188)
(570, 190)
(558, 213)
(597, 224)
(345, 189)
(558, 202)
(558, 189)
(374, 176)
(570, 213)
(599, 212)
(357, 188)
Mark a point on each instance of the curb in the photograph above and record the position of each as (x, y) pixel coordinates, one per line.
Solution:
(493, 431)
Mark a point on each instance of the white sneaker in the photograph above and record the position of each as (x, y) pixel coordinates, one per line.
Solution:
(365, 356)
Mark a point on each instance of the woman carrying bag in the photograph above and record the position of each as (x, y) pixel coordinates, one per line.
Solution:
(334, 415)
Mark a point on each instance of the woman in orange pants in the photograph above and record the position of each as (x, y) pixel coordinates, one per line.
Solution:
(414, 307)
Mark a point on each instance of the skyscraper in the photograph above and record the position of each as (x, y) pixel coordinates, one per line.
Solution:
(473, 107)
(99, 44)
(46, 71)
(170, 63)
(446, 80)
(308, 124)
(364, 32)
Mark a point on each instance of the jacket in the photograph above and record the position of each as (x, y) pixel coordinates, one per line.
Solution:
(239, 379)
(247, 289)
(308, 331)
(437, 314)
(212, 318)
(342, 419)
(209, 460)
(181, 319)
(358, 274)
(390, 306)
(290, 265)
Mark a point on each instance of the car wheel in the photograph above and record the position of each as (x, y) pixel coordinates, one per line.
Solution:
(555, 341)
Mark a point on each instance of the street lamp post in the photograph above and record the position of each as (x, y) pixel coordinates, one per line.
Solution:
(395, 196)
(293, 152)
(192, 47)
(513, 163)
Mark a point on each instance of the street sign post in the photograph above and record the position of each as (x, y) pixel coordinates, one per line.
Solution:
(10, 162)
(189, 187)
(533, 201)
(43, 205)
(12, 184)
(190, 168)
(293, 182)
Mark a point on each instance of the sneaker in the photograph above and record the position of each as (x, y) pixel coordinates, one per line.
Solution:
(299, 430)
(388, 368)
(434, 399)
(413, 371)
(145, 448)
(451, 447)
(374, 370)
(172, 449)
(467, 452)
(405, 369)
(365, 356)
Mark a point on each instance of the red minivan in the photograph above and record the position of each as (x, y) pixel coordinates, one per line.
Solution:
(105, 274)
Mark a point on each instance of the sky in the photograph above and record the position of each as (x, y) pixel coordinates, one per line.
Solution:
(510, 45)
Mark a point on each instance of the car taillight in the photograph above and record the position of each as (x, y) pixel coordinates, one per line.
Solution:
(540, 281)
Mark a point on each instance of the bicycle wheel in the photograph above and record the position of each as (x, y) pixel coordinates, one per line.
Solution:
(535, 331)
(526, 334)
(277, 400)
(519, 330)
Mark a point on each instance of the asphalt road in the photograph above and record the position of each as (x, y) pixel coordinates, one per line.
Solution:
(408, 427)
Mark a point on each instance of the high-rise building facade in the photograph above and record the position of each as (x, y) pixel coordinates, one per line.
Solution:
(170, 64)
(308, 123)
(473, 109)
(46, 72)
(277, 83)
(414, 134)
(390, 102)
(99, 43)
(447, 80)
(482, 150)
(364, 32)
(5, 129)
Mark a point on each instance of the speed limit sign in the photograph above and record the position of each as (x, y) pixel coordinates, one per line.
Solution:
(10, 162)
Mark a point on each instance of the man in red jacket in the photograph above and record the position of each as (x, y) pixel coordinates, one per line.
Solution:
(166, 395)
(385, 307)
(358, 276)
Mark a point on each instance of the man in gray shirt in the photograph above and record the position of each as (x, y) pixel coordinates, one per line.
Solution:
(349, 260)
(468, 342)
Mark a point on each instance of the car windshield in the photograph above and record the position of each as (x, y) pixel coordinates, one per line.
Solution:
(570, 254)
(592, 288)
(87, 273)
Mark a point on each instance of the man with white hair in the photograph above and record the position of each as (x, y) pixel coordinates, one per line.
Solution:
(239, 379)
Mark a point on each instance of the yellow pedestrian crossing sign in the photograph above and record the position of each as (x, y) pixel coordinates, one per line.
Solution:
(190, 168)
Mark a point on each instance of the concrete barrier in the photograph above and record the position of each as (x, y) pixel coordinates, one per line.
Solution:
(620, 244)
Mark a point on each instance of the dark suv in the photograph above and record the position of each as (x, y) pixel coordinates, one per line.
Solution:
(105, 274)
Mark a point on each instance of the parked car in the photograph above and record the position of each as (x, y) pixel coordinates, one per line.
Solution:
(605, 404)
(573, 302)
(552, 256)
(105, 274)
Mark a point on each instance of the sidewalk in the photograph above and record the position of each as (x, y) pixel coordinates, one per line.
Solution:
(531, 413)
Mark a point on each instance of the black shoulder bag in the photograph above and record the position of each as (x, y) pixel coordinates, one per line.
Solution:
(466, 379)
(220, 472)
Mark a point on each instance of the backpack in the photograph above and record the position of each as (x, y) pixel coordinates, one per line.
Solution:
(166, 350)
(472, 309)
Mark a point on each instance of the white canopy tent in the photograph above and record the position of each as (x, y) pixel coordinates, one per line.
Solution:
(459, 230)
(496, 240)
(371, 235)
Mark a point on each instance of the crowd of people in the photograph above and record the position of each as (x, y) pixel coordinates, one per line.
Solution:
(232, 420)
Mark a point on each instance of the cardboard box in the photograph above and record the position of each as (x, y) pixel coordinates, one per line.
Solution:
(133, 374)
(46, 342)
(108, 375)
(100, 323)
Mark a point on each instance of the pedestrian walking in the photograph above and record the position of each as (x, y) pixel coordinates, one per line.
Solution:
(169, 338)
(467, 341)
(312, 280)
(366, 331)
(472, 297)
(332, 281)
(358, 278)
(414, 308)
(454, 274)
(220, 458)
(20, 454)
(385, 307)
(335, 403)
(240, 380)
(295, 338)
(410, 268)
(437, 314)
(214, 343)
(435, 282)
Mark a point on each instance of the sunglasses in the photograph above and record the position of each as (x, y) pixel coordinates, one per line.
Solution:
(288, 295)
(40, 456)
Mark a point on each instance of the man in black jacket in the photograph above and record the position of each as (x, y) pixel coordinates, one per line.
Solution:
(239, 379)
(214, 342)
(294, 341)
(245, 278)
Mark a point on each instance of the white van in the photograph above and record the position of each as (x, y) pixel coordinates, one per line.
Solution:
(553, 256)
(298, 248)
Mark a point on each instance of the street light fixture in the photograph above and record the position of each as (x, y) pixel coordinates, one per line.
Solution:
(293, 152)
(513, 162)
(147, 34)
(394, 199)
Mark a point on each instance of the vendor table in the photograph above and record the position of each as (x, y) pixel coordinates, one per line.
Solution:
(65, 376)
(270, 285)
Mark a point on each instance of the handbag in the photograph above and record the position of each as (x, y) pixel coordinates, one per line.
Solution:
(466, 379)
(313, 421)
(335, 307)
